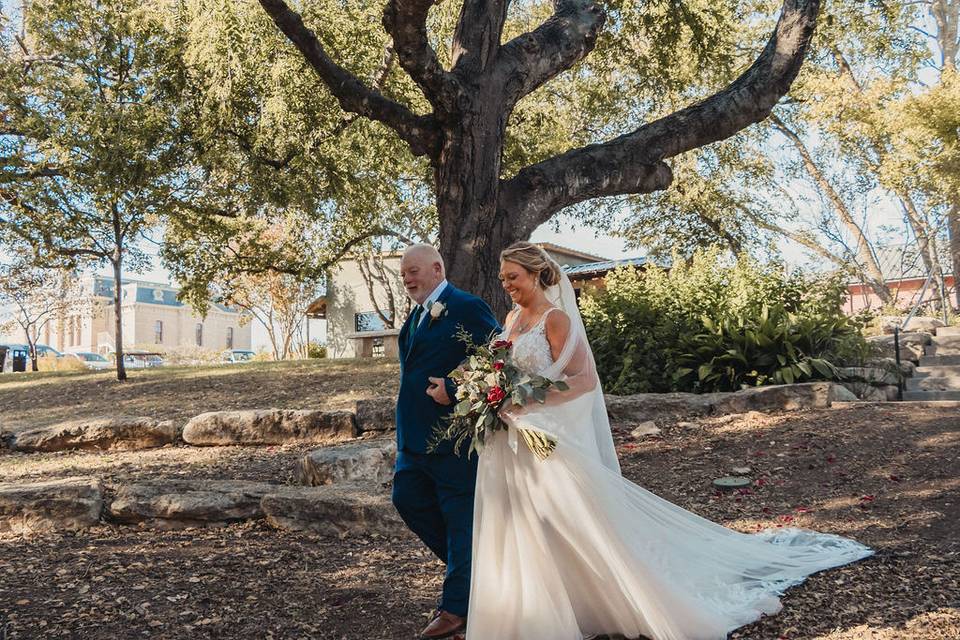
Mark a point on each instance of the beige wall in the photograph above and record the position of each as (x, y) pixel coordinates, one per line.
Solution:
(348, 295)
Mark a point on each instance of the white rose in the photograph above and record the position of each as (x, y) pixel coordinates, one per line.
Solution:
(436, 309)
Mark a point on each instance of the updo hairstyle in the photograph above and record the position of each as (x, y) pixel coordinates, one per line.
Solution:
(535, 260)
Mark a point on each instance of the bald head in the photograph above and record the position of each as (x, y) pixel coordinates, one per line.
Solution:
(421, 268)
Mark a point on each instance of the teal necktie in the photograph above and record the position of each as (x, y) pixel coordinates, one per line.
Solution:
(416, 318)
(413, 327)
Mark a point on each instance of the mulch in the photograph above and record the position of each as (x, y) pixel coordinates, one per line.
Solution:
(886, 475)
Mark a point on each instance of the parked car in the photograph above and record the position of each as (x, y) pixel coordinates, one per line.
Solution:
(15, 357)
(44, 350)
(92, 361)
(238, 355)
(142, 359)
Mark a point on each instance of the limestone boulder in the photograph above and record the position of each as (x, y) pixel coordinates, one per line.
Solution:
(368, 460)
(911, 345)
(266, 427)
(876, 376)
(641, 407)
(782, 397)
(105, 434)
(917, 323)
(376, 414)
(335, 510)
(907, 368)
(55, 505)
(866, 392)
(891, 392)
(644, 407)
(177, 504)
(842, 394)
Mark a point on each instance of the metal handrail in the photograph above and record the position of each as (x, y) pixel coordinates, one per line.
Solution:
(899, 327)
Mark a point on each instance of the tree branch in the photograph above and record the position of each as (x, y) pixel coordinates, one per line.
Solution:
(420, 132)
(633, 163)
(44, 172)
(530, 60)
(477, 36)
(406, 22)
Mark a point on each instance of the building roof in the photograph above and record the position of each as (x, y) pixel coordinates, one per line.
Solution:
(148, 292)
(594, 269)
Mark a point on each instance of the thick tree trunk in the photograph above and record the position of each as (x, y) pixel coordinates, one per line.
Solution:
(473, 229)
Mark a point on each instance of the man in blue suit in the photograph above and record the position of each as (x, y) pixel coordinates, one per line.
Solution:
(433, 492)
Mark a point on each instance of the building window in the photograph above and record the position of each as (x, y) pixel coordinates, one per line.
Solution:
(369, 321)
(229, 337)
(199, 334)
(158, 332)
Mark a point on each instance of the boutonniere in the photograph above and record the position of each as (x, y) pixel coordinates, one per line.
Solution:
(436, 310)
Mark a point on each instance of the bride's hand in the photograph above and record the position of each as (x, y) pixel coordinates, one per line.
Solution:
(509, 412)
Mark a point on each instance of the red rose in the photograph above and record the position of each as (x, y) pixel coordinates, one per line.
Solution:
(495, 395)
(498, 365)
(502, 344)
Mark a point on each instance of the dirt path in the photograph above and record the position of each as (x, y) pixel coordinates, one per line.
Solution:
(887, 475)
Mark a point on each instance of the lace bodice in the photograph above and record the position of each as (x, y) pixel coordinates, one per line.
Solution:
(531, 350)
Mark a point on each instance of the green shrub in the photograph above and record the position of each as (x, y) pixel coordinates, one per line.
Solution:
(712, 323)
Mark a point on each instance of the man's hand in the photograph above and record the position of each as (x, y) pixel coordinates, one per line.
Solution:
(438, 391)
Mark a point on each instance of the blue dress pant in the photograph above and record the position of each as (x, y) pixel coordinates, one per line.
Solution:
(434, 495)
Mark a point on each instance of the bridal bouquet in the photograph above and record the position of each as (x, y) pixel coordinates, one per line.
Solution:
(486, 382)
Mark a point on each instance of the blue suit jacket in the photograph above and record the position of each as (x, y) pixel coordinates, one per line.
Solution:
(433, 350)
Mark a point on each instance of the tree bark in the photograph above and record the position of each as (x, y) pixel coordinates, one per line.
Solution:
(953, 221)
(946, 14)
(117, 263)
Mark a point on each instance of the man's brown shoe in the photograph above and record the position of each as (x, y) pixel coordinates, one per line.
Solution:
(444, 625)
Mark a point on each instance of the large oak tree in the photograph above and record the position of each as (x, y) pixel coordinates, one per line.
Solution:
(480, 209)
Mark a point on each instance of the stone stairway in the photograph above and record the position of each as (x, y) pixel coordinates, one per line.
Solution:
(938, 376)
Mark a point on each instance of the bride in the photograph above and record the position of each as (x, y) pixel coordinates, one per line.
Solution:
(566, 548)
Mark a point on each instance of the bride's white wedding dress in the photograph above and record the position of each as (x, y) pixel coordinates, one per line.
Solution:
(566, 548)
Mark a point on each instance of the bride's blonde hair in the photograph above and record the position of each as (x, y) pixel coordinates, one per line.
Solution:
(535, 260)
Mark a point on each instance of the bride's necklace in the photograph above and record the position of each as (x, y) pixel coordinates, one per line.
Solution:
(522, 328)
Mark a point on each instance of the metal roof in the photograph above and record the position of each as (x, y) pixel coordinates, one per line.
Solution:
(148, 292)
(605, 266)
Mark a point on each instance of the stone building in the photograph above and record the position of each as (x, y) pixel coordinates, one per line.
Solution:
(153, 318)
